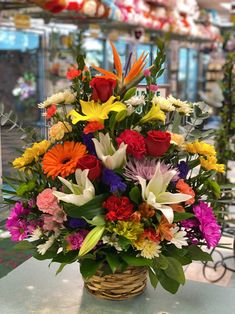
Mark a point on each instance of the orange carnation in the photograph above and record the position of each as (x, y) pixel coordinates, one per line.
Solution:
(183, 187)
(62, 159)
(93, 126)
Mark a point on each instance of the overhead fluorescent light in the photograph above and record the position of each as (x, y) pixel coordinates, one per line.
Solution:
(226, 5)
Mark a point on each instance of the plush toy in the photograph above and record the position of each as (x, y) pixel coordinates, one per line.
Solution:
(55, 6)
(95, 8)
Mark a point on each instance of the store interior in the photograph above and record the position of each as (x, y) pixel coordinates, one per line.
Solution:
(38, 43)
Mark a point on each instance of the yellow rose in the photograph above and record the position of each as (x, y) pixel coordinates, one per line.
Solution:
(177, 139)
(58, 130)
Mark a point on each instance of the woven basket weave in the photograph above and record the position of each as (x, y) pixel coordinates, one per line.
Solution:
(118, 286)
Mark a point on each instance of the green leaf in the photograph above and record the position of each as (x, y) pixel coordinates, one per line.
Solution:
(47, 255)
(89, 267)
(175, 270)
(67, 258)
(132, 260)
(113, 261)
(88, 210)
(91, 240)
(130, 93)
(59, 270)
(153, 277)
(215, 187)
(160, 262)
(176, 123)
(124, 242)
(197, 254)
(168, 283)
(135, 195)
(96, 221)
(24, 245)
(182, 216)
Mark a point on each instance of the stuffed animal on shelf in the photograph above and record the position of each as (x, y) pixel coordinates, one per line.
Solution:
(95, 8)
(55, 6)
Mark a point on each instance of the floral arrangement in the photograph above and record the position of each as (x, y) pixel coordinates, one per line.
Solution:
(124, 179)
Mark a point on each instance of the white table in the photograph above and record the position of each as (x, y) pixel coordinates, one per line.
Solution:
(34, 288)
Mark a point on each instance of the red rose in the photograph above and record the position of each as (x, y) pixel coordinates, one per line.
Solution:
(93, 164)
(135, 143)
(157, 143)
(119, 208)
(102, 88)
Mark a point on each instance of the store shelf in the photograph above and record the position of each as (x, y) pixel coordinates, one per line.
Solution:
(106, 25)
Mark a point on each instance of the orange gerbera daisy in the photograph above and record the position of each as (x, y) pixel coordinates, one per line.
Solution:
(134, 72)
(62, 159)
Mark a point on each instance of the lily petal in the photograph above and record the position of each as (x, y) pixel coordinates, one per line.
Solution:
(172, 198)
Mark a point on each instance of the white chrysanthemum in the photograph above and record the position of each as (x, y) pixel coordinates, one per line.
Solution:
(180, 106)
(42, 248)
(66, 97)
(135, 101)
(36, 234)
(164, 103)
(112, 241)
(179, 237)
(149, 249)
(69, 97)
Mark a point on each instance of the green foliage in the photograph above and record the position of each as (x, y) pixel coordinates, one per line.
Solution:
(135, 195)
(89, 267)
(89, 210)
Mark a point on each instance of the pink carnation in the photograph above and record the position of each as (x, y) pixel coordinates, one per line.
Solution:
(47, 202)
(50, 224)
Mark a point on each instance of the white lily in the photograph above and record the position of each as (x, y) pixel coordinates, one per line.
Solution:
(82, 192)
(154, 193)
(110, 157)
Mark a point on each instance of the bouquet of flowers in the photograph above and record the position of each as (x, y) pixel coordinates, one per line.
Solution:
(124, 179)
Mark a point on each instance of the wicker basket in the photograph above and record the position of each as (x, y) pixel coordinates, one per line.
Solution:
(118, 286)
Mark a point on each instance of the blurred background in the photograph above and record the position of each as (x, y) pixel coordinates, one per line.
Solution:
(39, 40)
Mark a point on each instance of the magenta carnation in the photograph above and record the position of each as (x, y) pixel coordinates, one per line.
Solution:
(209, 228)
(75, 240)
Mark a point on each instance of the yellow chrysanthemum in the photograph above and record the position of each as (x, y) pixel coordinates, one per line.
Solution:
(31, 154)
(210, 163)
(93, 111)
(200, 148)
(155, 113)
(148, 248)
(128, 229)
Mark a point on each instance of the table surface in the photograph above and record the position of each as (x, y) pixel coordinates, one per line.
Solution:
(34, 288)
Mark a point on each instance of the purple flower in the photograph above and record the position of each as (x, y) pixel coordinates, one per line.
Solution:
(209, 227)
(183, 169)
(75, 240)
(87, 140)
(77, 223)
(144, 168)
(115, 183)
(16, 223)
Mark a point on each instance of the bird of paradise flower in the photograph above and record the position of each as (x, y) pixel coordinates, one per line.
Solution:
(135, 70)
